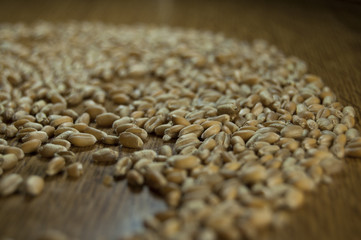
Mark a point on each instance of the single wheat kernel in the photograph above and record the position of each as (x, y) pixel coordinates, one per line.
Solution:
(61, 120)
(184, 162)
(139, 132)
(211, 131)
(253, 174)
(49, 149)
(106, 119)
(49, 130)
(84, 118)
(55, 166)
(82, 139)
(34, 185)
(98, 134)
(31, 146)
(177, 120)
(42, 136)
(135, 178)
(37, 126)
(122, 166)
(11, 131)
(147, 154)
(165, 150)
(292, 131)
(105, 155)
(154, 178)
(294, 198)
(62, 142)
(15, 150)
(130, 140)
(61, 130)
(9, 184)
(8, 161)
(94, 111)
(110, 140)
(75, 170)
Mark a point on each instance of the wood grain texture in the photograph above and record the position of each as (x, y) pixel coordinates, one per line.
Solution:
(327, 35)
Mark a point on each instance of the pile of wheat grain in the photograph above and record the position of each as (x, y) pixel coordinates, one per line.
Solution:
(246, 130)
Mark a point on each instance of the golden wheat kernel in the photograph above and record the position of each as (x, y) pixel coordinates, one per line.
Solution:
(194, 128)
(154, 178)
(62, 142)
(130, 140)
(37, 126)
(177, 120)
(110, 140)
(353, 151)
(75, 170)
(121, 121)
(15, 150)
(165, 150)
(42, 136)
(139, 132)
(49, 149)
(82, 139)
(253, 174)
(106, 119)
(94, 111)
(84, 118)
(105, 155)
(161, 129)
(122, 166)
(11, 131)
(331, 165)
(65, 135)
(120, 98)
(19, 123)
(63, 119)
(98, 134)
(61, 130)
(294, 198)
(34, 185)
(123, 127)
(209, 123)
(71, 113)
(146, 153)
(292, 131)
(349, 110)
(184, 161)
(3, 142)
(208, 143)
(49, 130)
(8, 161)
(211, 131)
(352, 133)
(135, 178)
(31, 146)
(79, 126)
(55, 166)
(9, 184)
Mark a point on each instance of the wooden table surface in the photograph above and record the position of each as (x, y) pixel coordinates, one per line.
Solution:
(327, 35)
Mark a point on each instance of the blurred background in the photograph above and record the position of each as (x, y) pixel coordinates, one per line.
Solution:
(326, 34)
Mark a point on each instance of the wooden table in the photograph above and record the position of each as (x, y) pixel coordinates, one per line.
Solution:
(327, 35)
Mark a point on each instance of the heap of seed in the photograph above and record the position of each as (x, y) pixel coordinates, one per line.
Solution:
(249, 131)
